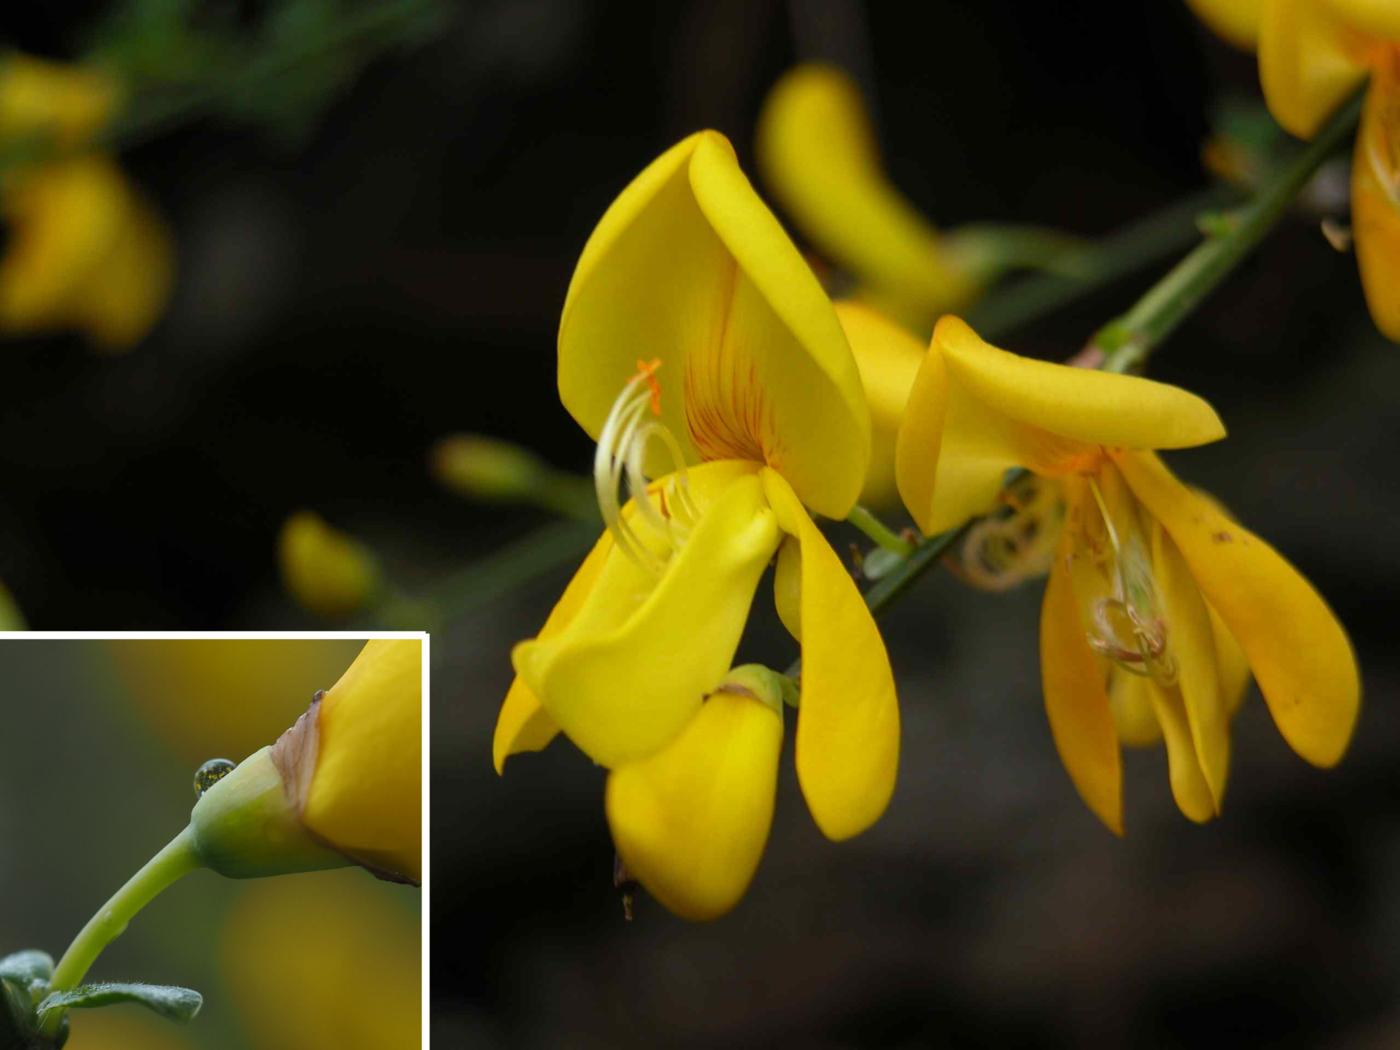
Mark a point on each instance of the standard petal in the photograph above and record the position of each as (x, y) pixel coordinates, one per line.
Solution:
(780, 371)
(1073, 679)
(1375, 198)
(1309, 60)
(1236, 21)
(1189, 787)
(1298, 652)
(691, 821)
(1378, 18)
(1191, 644)
(848, 720)
(523, 725)
(817, 152)
(631, 668)
(652, 282)
(1078, 404)
(888, 357)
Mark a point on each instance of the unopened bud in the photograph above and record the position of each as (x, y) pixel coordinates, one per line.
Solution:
(487, 468)
(327, 571)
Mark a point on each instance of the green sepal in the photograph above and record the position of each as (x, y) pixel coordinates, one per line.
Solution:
(168, 1000)
(24, 978)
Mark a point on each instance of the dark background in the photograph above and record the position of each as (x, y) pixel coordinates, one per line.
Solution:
(399, 276)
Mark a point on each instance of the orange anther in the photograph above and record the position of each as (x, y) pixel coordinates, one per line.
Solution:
(648, 369)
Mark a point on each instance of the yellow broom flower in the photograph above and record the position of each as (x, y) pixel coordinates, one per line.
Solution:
(1158, 605)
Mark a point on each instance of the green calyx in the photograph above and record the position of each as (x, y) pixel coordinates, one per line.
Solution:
(248, 825)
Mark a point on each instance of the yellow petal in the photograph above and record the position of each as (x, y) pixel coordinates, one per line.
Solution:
(689, 267)
(1298, 652)
(1189, 788)
(523, 725)
(1231, 663)
(1133, 715)
(691, 821)
(980, 411)
(1309, 61)
(1236, 21)
(319, 935)
(1073, 679)
(787, 586)
(848, 721)
(630, 670)
(1375, 198)
(1191, 643)
(818, 154)
(888, 357)
(327, 571)
(42, 98)
(365, 797)
(85, 252)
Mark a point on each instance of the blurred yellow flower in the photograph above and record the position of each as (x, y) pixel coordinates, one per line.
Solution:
(126, 1029)
(84, 251)
(206, 697)
(1155, 595)
(817, 152)
(349, 959)
(690, 266)
(1312, 54)
(888, 357)
(327, 571)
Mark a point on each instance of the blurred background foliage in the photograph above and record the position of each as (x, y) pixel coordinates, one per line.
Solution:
(388, 268)
(322, 961)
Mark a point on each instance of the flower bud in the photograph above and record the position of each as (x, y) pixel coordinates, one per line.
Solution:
(487, 468)
(343, 785)
(327, 571)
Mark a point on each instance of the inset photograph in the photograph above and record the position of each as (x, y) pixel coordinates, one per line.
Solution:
(211, 842)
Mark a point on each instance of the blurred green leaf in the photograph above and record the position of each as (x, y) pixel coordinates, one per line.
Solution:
(22, 968)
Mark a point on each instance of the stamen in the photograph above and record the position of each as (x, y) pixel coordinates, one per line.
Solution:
(621, 454)
(1127, 627)
(1017, 543)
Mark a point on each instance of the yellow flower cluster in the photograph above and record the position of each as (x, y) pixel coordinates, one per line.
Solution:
(732, 401)
(85, 252)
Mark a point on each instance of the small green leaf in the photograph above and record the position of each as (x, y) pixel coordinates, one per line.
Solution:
(23, 968)
(177, 1004)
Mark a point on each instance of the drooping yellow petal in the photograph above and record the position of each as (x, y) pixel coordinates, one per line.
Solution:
(1375, 197)
(976, 411)
(691, 821)
(523, 725)
(365, 796)
(1298, 652)
(85, 252)
(787, 586)
(1309, 60)
(631, 668)
(1231, 663)
(1073, 679)
(1189, 787)
(1133, 715)
(1191, 645)
(817, 152)
(888, 357)
(689, 267)
(848, 720)
(1236, 21)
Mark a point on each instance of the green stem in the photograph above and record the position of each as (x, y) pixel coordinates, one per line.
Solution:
(172, 863)
(879, 532)
(1116, 255)
(1172, 299)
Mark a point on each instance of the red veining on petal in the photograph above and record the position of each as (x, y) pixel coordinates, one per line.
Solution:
(726, 408)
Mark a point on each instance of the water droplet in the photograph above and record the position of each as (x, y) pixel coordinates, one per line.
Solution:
(209, 774)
